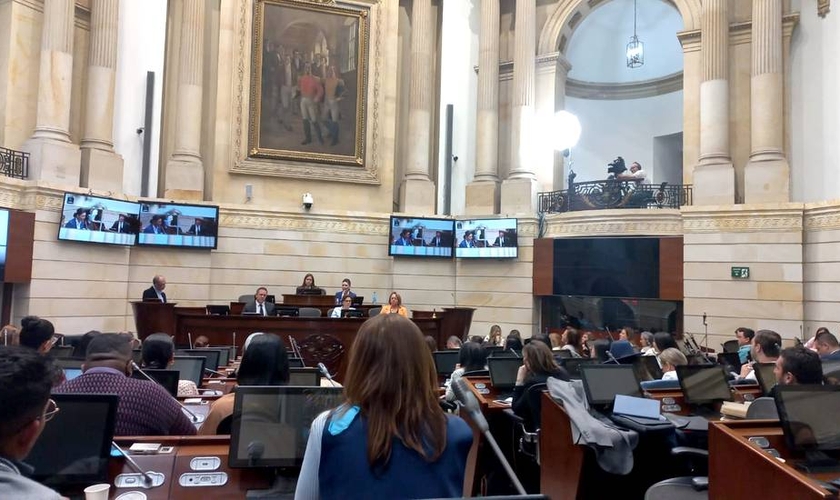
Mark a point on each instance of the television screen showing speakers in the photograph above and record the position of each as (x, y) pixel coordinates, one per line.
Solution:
(421, 237)
(178, 225)
(95, 219)
(486, 238)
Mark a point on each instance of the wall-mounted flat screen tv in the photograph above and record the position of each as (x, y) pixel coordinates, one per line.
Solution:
(95, 219)
(486, 238)
(178, 225)
(421, 237)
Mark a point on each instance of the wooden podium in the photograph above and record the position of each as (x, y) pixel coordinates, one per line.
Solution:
(154, 317)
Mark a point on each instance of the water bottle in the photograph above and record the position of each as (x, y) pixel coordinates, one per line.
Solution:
(373, 299)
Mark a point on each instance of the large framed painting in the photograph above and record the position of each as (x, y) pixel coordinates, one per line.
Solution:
(309, 82)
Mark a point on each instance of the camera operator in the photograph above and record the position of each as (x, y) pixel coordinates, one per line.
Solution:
(636, 173)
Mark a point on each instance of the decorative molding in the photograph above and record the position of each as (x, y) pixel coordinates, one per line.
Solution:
(241, 163)
(690, 40)
(614, 222)
(823, 7)
(822, 217)
(624, 90)
(782, 218)
(739, 33)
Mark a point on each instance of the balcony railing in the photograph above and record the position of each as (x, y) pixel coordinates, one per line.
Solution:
(14, 163)
(614, 193)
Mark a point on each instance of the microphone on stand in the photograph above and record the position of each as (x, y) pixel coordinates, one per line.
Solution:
(609, 333)
(196, 419)
(189, 339)
(514, 352)
(326, 373)
(234, 346)
(468, 402)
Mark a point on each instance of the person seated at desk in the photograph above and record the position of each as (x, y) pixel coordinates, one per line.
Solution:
(201, 227)
(669, 360)
(308, 286)
(337, 312)
(538, 365)
(79, 220)
(629, 334)
(37, 334)
(259, 305)
(453, 342)
(765, 349)
(25, 383)
(494, 338)
(386, 441)
(345, 291)
(472, 357)
(120, 225)
(144, 408)
(646, 343)
(662, 341)
(394, 306)
(159, 354)
(827, 346)
(468, 241)
(201, 341)
(265, 362)
(155, 292)
(798, 365)
(513, 341)
(405, 239)
(574, 343)
(155, 225)
(744, 336)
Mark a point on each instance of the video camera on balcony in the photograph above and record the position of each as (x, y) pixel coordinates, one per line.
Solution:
(616, 168)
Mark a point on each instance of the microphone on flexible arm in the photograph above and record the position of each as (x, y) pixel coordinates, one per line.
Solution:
(706, 332)
(612, 357)
(326, 373)
(196, 419)
(214, 372)
(189, 339)
(234, 346)
(612, 339)
(514, 352)
(150, 479)
(468, 402)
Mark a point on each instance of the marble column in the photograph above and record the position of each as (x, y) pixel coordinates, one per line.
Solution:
(767, 174)
(562, 68)
(417, 192)
(102, 168)
(185, 170)
(482, 194)
(53, 157)
(519, 190)
(714, 176)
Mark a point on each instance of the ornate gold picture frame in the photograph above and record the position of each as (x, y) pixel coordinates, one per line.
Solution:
(309, 82)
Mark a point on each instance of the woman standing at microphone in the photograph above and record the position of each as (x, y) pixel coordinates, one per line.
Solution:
(390, 439)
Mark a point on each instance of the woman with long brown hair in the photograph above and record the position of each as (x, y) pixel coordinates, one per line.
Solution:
(538, 365)
(390, 439)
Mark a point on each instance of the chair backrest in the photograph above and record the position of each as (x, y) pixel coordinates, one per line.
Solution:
(676, 488)
(246, 298)
(764, 407)
(534, 398)
(730, 346)
(309, 312)
(833, 377)
(373, 311)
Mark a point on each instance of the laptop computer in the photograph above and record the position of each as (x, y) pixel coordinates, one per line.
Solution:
(358, 300)
(445, 361)
(572, 365)
(808, 415)
(704, 386)
(503, 373)
(602, 383)
(651, 365)
(765, 376)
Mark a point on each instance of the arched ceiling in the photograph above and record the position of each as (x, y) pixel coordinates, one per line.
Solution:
(596, 50)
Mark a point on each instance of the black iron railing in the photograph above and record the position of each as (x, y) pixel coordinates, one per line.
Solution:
(14, 163)
(614, 193)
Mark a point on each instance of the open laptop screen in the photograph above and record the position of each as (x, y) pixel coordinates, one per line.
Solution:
(445, 361)
(603, 382)
(503, 371)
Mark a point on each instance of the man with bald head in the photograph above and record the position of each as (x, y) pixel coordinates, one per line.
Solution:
(155, 292)
(145, 408)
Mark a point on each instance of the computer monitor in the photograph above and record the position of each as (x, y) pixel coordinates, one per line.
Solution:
(224, 354)
(603, 382)
(310, 291)
(74, 448)
(731, 361)
(61, 351)
(71, 373)
(190, 368)
(765, 376)
(703, 384)
(168, 379)
(295, 362)
(358, 300)
(445, 361)
(217, 310)
(69, 363)
(651, 365)
(353, 313)
(304, 377)
(503, 372)
(287, 311)
(563, 354)
(572, 365)
(697, 359)
(270, 425)
(808, 414)
(212, 356)
(271, 299)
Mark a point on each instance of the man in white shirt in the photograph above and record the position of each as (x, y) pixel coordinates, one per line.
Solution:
(636, 173)
(259, 305)
(765, 349)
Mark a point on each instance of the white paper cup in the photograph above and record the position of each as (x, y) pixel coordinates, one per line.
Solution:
(97, 492)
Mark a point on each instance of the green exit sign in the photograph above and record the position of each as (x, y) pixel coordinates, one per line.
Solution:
(741, 273)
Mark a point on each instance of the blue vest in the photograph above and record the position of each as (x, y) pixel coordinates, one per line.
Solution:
(344, 472)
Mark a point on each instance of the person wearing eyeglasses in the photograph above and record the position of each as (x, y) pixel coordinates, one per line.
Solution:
(25, 384)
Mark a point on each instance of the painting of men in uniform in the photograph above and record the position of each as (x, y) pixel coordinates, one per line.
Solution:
(309, 80)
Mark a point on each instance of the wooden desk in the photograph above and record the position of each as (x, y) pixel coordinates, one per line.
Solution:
(761, 476)
(562, 461)
(324, 303)
(673, 401)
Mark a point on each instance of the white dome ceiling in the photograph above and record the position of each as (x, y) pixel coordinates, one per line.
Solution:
(597, 47)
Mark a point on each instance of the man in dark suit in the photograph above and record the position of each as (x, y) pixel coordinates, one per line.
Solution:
(437, 241)
(345, 290)
(259, 305)
(405, 239)
(155, 292)
(827, 346)
(155, 226)
(467, 242)
(120, 225)
(79, 220)
(201, 228)
(504, 240)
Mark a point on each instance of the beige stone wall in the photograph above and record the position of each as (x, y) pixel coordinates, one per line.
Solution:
(768, 240)
(821, 267)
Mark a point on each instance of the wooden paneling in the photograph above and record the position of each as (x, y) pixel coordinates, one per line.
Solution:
(19, 248)
(543, 266)
(671, 268)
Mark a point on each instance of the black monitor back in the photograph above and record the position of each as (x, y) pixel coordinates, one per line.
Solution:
(808, 414)
(295, 362)
(287, 311)
(503, 372)
(168, 379)
(69, 363)
(61, 351)
(445, 361)
(602, 383)
(765, 376)
(75, 446)
(304, 377)
(217, 310)
(190, 368)
(211, 355)
(703, 384)
(572, 365)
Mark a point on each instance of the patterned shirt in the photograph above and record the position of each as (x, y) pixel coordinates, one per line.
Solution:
(144, 408)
